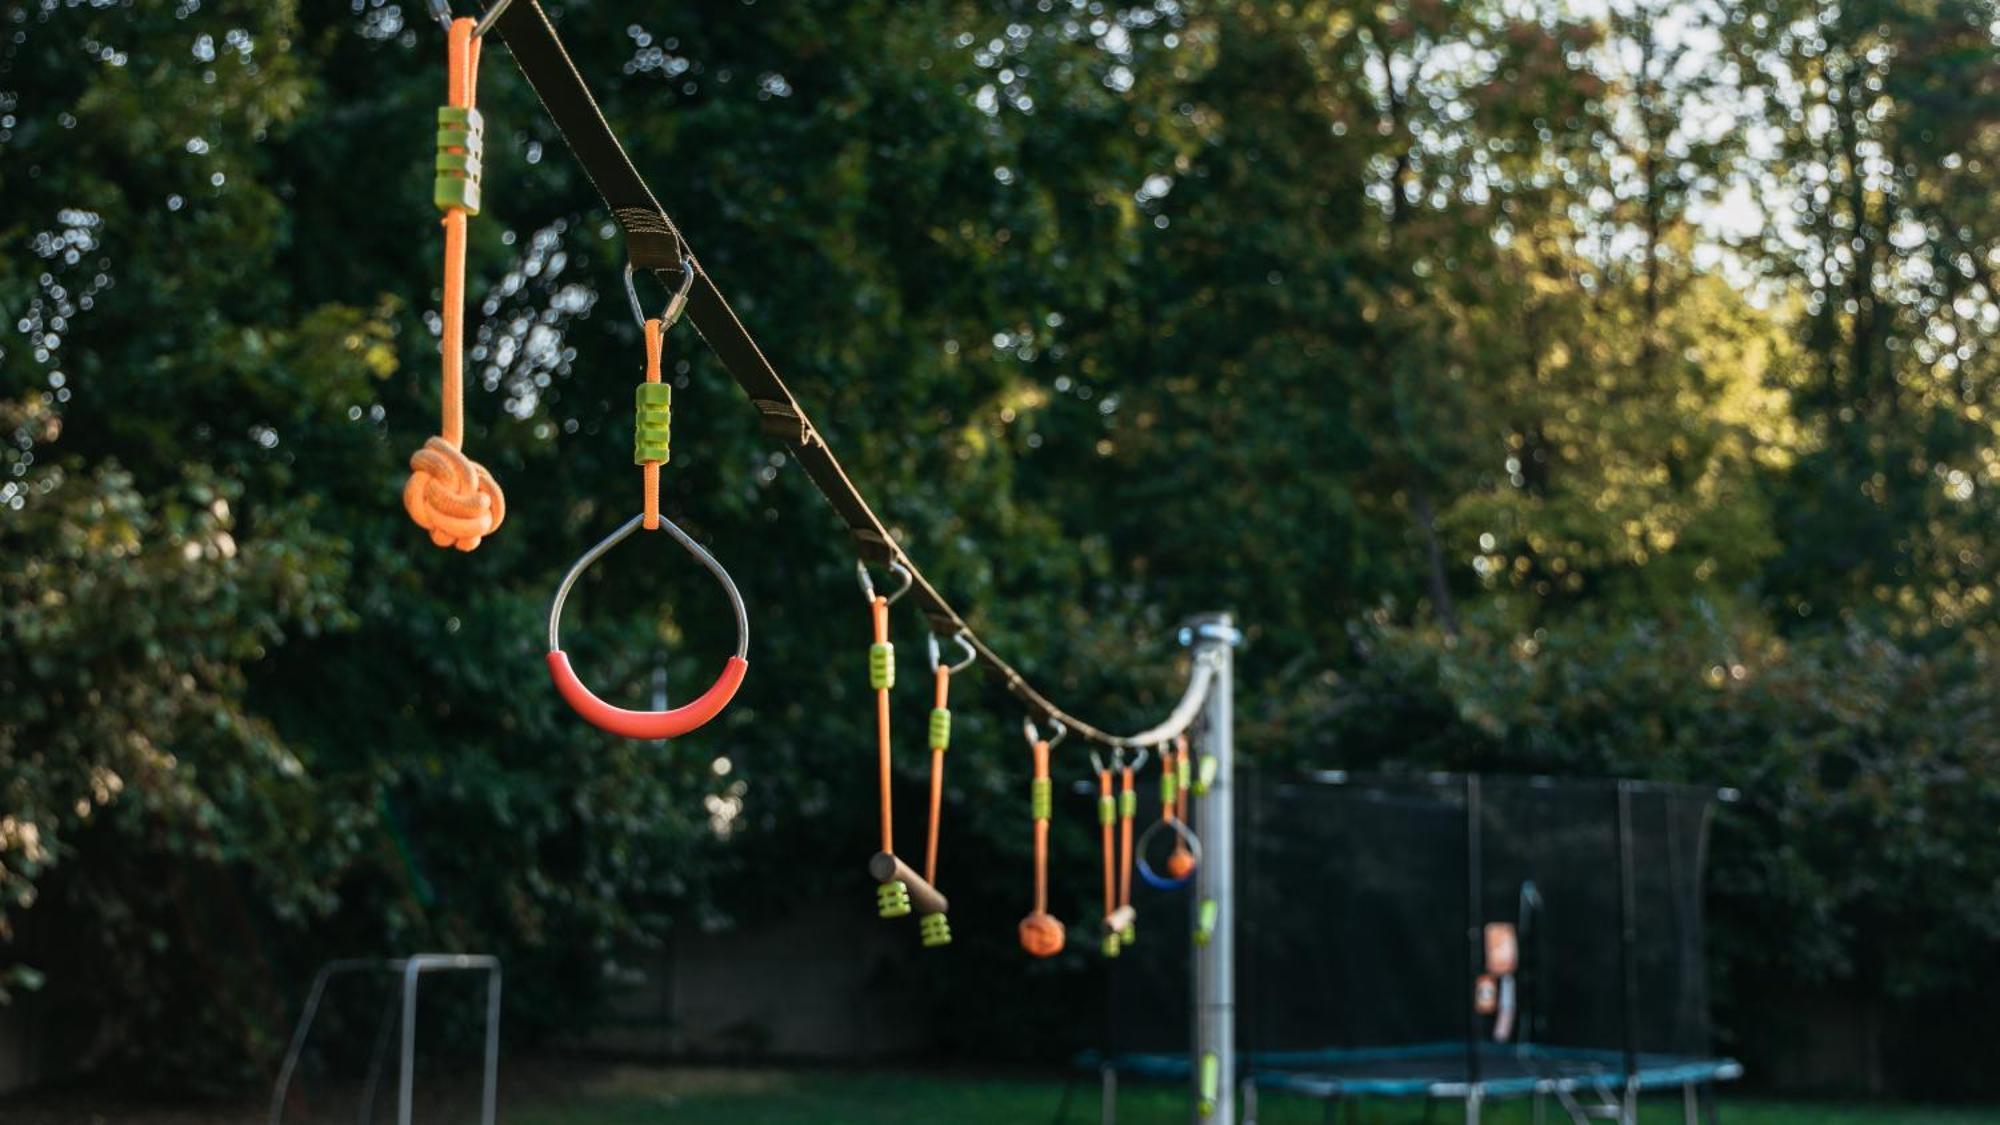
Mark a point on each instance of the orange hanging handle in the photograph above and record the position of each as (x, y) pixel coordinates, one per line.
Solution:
(1186, 852)
(898, 889)
(885, 677)
(448, 494)
(940, 737)
(934, 929)
(1116, 844)
(651, 444)
(1041, 933)
(1128, 809)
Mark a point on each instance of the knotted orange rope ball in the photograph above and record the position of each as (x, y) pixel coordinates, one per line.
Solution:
(1042, 935)
(452, 496)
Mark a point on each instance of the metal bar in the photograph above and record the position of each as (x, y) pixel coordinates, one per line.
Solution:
(299, 1033)
(1214, 638)
(406, 1068)
(489, 1104)
(1628, 966)
(1475, 955)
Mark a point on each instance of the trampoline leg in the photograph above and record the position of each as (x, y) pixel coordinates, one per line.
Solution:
(1541, 1110)
(1473, 1102)
(1107, 1109)
(1690, 1100)
(1249, 1101)
(1712, 1099)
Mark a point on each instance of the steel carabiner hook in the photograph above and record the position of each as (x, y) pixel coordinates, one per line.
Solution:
(441, 12)
(897, 568)
(1034, 733)
(971, 654)
(676, 304)
(649, 724)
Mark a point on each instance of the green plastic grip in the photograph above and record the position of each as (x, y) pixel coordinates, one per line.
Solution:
(1168, 790)
(1209, 768)
(892, 898)
(940, 728)
(1112, 945)
(1183, 768)
(1211, 1081)
(1128, 803)
(1204, 929)
(882, 666)
(1041, 799)
(652, 435)
(457, 180)
(1107, 809)
(934, 930)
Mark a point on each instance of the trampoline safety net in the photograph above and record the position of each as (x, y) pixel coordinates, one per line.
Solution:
(1363, 909)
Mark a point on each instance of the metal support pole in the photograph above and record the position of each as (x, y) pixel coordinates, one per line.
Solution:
(1628, 963)
(1214, 637)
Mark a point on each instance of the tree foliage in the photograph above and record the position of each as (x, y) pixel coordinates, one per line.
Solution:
(1597, 390)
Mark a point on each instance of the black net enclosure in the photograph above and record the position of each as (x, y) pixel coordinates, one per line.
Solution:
(1448, 936)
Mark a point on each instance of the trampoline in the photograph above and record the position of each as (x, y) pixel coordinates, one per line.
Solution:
(1367, 911)
(1575, 1079)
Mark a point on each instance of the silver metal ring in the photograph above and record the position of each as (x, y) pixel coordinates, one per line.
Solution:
(693, 548)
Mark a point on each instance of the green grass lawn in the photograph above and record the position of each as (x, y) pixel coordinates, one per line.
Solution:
(635, 1095)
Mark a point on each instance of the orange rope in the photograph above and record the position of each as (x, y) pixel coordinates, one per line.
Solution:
(937, 782)
(1110, 855)
(881, 615)
(1041, 834)
(655, 340)
(461, 88)
(1182, 860)
(448, 494)
(1181, 794)
(1125, 841)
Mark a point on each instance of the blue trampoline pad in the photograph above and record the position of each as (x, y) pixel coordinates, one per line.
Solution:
(1443, 1070)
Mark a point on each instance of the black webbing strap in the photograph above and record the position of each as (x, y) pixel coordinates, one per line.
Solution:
(654, 243)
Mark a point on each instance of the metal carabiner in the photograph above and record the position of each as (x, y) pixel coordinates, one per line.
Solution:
(441, 11)
(649, 724)
(676, 304)
(896, 567)
(1034, 733)
(971, 654)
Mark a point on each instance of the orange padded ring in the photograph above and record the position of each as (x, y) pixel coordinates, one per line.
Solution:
(648, 724)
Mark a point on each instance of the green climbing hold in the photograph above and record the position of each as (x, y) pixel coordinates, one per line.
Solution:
(461, 144)
(651, 437)
(892, 898)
